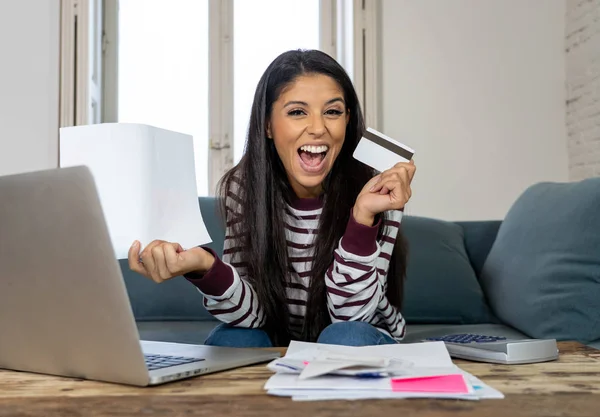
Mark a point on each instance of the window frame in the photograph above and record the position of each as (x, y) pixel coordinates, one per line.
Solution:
(81, 62)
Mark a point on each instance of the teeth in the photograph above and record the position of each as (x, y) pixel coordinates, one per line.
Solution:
(315, 149)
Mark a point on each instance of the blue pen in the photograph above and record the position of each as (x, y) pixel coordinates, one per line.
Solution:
(371, 375)
(287, 366)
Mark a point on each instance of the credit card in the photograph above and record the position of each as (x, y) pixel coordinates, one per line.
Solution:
(381, 152)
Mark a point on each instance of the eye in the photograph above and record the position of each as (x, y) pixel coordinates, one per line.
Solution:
(334, 112)
(296, 112)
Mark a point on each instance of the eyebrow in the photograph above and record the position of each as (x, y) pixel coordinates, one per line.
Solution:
(303, 103)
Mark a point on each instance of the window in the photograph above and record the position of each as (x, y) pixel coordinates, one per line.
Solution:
(181, 65)
(163, 70)
(262, 30)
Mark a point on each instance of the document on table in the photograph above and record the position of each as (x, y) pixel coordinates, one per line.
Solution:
(146, 181)
(311, 371)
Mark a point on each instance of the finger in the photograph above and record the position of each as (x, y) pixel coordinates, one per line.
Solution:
(158, 255)
(172, 258)
(405, 175)
(386, 177)
(400, 196)
(405, 180)
(393, 174)
(393, 170)
(397, 181)
(133, 256)
(404, 164)
(372, 184)
(148, 262)
(387, 186)
(411, 171)
(134, 259)
(408, 165)
(377, 187)
(154, 243)
(148, 249)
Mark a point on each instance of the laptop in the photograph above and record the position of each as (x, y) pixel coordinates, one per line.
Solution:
(64, 308)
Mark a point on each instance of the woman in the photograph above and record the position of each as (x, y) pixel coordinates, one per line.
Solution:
(312, 234)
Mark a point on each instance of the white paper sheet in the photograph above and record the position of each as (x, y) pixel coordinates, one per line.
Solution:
(432, 354)
(146, 181)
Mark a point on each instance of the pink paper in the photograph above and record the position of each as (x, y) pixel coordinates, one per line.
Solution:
(438, 383)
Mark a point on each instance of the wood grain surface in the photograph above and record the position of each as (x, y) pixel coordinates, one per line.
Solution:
(569, 386)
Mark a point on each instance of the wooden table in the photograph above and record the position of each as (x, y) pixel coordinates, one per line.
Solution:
(567, 387)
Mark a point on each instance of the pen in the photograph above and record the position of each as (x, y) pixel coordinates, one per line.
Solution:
(287, 366)
(372, 375)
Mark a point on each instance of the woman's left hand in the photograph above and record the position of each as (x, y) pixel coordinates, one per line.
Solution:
(389, 190)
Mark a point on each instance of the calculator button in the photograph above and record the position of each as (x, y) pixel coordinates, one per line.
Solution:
(466, 338)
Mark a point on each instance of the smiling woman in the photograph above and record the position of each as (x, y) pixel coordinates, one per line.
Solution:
(313, 248)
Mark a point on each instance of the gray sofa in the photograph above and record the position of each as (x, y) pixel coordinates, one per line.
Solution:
(520, 277)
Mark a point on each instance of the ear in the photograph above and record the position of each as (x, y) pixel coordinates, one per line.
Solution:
(269, 134)
(347, 116)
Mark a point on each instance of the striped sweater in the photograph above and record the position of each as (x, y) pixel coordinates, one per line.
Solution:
(355, 281)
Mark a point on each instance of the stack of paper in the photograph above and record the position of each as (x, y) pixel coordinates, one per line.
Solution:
(311, 371)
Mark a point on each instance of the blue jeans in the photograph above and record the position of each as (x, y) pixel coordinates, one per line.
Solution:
(348, 333)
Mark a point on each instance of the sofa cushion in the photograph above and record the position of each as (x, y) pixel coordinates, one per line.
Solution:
(441, 285)
(542, 275)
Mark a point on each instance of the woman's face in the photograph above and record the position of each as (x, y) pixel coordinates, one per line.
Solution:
(308, 126)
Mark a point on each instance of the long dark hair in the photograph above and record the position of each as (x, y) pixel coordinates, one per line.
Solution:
(265, 190)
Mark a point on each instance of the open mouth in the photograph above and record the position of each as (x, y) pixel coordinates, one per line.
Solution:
(312, 158)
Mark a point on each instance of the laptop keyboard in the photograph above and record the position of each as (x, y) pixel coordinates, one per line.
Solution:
(164, 361)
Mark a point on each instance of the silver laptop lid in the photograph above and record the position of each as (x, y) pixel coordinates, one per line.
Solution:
(64, 308)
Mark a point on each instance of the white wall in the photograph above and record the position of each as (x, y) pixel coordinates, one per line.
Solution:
(477, 88)
(583, 88)
(29, 85)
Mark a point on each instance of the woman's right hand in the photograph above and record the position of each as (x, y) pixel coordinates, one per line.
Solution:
(162, 260)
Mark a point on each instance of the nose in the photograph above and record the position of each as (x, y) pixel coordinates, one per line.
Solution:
(316, 126)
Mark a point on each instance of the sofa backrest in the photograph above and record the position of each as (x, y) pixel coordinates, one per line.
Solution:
(215, 224)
